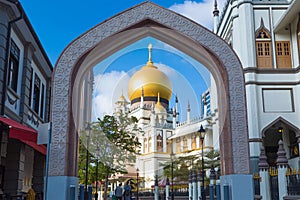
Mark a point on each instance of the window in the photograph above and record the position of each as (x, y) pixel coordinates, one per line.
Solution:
(13, 70)
(145, 145)
(263, 48)
(149, 144)
(283, 54)
(42, 100)
(185, 145)
(159, 143)
(194, 142)
(178, 141)
(30, 87)
(36, 94)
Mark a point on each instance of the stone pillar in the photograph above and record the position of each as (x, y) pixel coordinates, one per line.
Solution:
(191, 185)
(282, 165)
(194, 180)
(156, 188)
(264, 175)
(167, 189)
(212, 183)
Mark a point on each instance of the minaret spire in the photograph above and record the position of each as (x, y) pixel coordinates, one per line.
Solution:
(216, 16)
(189, 113)
(142, 99)
(150, 54)
(216, 10)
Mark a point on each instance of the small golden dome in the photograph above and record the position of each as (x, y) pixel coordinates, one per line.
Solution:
(158, 107)
(122, 98)
(152, 80)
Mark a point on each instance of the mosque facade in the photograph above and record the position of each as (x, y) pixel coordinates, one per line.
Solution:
(162, 134)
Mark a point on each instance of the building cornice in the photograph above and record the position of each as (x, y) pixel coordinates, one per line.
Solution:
(271, 71)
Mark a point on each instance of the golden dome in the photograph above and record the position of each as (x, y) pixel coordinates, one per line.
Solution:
(151, 80)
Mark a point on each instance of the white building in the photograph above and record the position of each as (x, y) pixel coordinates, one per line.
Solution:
(266, 37)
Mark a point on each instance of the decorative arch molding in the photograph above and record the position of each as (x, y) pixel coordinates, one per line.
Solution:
(262, 30)
(169, 27)
(284, 121)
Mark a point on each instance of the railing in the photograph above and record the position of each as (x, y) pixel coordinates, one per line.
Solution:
(256, 180)
(293, 182)
(274, 183)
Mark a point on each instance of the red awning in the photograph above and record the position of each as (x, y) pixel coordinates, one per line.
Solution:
(40, 148)
(24, 134)
(19, 131)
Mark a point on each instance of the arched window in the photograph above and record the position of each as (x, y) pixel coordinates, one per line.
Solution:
(185, 145)
(263, 47)
(159, 141)
(145, 146)
(194, 142)
(150, 144)
(178, 149)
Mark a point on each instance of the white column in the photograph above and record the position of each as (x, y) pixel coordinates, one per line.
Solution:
(282, 182)
(194, 178)
(265, 184)
(199, 186)
(190, 186)
(167, 191)
(282, 165)
(156, 193)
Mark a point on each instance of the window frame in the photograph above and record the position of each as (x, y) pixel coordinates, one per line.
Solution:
(14, 66)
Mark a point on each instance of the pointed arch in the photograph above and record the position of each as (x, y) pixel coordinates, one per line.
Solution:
(143, 20)
(263, 46)
(283, 121)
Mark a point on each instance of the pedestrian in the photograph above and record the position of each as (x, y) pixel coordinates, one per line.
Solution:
(127, 191)
(119, 192)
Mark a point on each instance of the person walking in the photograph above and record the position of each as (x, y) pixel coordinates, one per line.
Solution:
(127, 191)
(119, 192)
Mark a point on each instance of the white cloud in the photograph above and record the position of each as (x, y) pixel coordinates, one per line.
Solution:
(200, 12)
(108, 88)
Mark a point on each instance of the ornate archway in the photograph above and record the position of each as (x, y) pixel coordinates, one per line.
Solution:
(143, 20)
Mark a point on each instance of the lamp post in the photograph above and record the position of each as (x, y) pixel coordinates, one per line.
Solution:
(96, 194)
(202, 135)
(172, 174)
(137, 183)
(88, 128)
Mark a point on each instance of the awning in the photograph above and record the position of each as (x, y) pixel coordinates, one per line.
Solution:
(40, 148)
(24, 134)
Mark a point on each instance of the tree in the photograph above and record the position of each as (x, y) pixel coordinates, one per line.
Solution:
(113, 142)
(182, 164)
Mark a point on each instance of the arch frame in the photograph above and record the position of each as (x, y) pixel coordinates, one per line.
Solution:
(163, 24)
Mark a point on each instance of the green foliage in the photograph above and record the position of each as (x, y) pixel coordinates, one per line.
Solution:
(112, 142)
(182, 165)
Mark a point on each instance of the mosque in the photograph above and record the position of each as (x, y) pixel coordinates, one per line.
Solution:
(149, 92)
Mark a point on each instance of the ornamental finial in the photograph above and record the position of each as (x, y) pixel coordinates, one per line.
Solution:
(150, 53)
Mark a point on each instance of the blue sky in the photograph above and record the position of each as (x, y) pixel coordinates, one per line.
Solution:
(57, 23)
